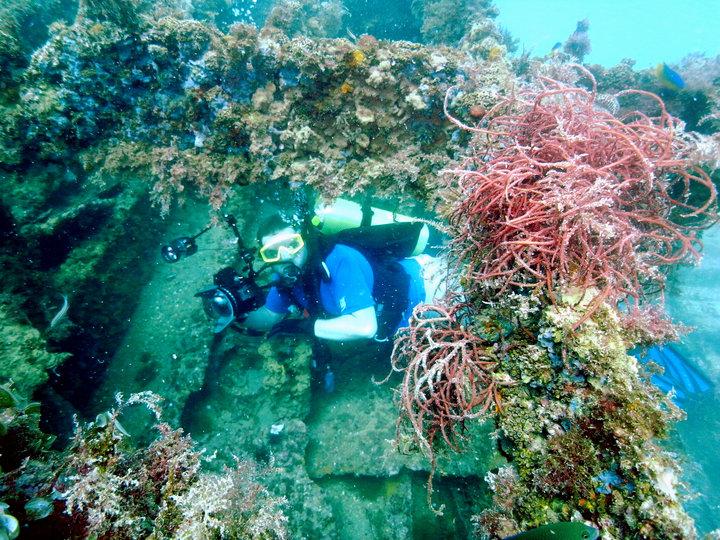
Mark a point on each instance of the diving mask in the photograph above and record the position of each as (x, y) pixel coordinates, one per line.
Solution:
(282, 247)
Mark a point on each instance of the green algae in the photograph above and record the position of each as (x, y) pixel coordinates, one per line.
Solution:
(24, 354)
(385, 122)
(221, 60)
(580, 431)
(286, 369)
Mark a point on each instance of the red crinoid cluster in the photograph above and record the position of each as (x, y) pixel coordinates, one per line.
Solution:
(447, 377)
(561, 192)
(447, 374)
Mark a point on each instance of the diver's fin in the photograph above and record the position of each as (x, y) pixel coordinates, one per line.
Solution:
(679, 373)
(665, 384)
(690, 374)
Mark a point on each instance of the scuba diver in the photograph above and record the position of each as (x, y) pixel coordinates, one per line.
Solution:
(346, 286)
(351, 272)
(343, 272)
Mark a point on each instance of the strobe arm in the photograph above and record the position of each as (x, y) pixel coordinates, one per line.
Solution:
(182, 246)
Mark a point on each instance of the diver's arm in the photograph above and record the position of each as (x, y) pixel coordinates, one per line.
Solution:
(262, 319)
(360, 324)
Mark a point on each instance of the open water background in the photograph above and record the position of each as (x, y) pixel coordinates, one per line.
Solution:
(649, 32)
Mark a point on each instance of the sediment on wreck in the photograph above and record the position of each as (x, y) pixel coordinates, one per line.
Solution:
(191, 112)
(86, 138)
(114, 115)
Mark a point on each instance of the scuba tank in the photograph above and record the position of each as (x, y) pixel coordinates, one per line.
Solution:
(371, 228)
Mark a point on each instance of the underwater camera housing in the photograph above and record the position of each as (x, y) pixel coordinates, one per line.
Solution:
(233, 294)
(230, 298)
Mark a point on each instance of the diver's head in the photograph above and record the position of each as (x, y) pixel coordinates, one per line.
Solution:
(283, 246)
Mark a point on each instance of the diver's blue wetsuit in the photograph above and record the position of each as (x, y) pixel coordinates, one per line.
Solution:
(349, 288)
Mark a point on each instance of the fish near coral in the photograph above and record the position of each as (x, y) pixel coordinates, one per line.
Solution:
(60, 314)
(571, 530)
(669, 78)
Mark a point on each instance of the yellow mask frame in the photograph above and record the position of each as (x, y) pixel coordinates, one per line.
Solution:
(282, 247)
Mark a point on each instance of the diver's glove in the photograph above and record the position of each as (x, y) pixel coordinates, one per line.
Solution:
(294, 326)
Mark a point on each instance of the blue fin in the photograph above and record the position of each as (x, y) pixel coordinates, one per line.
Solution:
(696, 379)
(665, 384)
(679, 373)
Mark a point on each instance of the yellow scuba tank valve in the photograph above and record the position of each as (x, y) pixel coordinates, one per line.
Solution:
(344, 214)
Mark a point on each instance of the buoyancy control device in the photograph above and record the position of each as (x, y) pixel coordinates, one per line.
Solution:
(384, 238)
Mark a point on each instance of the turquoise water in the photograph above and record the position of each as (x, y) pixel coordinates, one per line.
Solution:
(648, 31)
(692, 300)
(109, 155)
